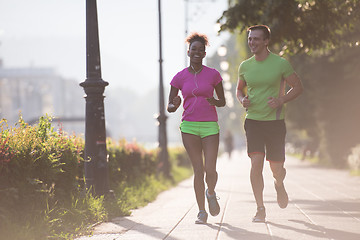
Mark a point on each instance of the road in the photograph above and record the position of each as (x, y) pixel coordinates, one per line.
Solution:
(324, 204)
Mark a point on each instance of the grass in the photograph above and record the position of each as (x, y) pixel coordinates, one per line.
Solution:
(139, 193)
(144, 190)
(313, 159)
(355, 172)
(42, 195)
(85, 210)
(316, 160)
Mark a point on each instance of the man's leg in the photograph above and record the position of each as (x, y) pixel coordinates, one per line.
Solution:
(257, 183)
(256, 151)
(275, 153)
(279, 173)
(256, 177)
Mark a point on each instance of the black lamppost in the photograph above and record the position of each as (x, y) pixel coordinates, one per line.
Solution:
(164, 156)
(96, 160)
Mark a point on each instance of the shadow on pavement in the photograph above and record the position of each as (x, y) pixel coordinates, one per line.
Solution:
(128, 225)
(329, 206)
(319, 231)
(240, 233)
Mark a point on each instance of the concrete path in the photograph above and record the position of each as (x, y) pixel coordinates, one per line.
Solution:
(324, 204)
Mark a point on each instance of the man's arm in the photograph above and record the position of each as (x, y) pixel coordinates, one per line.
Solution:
(240, 95)
(296, 89)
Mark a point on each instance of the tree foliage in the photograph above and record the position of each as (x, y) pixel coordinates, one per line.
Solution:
(329, 109)
(299, 25)
(323, 39)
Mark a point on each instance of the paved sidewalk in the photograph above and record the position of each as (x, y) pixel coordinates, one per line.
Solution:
(324, 204)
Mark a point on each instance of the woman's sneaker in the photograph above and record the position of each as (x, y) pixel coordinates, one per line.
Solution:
(260, 215)
(201, 217)
(214, 207)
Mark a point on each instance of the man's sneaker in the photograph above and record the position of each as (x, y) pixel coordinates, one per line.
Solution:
(282, 197)
(214, 207)
(260, 215)
(201, 217)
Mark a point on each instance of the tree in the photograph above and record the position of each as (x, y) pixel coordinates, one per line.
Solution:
(323, 38)
(299, 25)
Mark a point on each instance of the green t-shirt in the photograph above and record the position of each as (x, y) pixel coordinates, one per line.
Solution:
(265, 79)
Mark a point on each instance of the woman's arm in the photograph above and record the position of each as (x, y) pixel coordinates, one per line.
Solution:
(174, 100)
(220, 102)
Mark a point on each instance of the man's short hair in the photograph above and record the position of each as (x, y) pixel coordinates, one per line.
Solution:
(265, 29)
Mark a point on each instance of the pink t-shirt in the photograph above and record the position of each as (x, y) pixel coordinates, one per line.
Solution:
(195, 88)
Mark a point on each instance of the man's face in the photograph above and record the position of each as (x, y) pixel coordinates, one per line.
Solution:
(256, 41)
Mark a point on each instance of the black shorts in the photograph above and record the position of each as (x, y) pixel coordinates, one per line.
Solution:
(267, 137)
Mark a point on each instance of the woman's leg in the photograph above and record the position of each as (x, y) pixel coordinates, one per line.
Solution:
(210, 146)
(193, 146)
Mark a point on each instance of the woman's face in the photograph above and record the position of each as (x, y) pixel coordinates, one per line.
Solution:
(196, 52)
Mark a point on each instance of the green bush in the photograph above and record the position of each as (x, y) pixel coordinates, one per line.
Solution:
(129, 161)
(38, 168)
(178, 157)
(42, 188)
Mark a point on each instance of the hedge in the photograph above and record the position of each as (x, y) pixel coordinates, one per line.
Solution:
(42, 192)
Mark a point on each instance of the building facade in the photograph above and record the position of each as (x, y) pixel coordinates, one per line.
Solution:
(34, 92)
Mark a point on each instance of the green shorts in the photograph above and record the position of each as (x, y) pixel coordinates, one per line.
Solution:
(201, 129)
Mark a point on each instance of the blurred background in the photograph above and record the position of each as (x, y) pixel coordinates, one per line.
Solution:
(43, 60)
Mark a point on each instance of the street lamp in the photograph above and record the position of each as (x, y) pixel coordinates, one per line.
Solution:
(163, 154)
(96, 159)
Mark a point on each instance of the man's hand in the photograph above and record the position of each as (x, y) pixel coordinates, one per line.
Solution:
(275, 102)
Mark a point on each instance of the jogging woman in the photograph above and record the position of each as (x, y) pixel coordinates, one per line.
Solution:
(199, 127)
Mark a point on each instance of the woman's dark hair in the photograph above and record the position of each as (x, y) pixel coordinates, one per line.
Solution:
(193, 37)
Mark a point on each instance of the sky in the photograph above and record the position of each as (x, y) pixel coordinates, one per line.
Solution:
(51, 33)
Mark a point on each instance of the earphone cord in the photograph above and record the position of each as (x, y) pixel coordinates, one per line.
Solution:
(196, 87)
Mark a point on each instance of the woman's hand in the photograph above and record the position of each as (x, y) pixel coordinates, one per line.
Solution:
(220, 102)
(211, 101)
(176, 101)
(174, 104)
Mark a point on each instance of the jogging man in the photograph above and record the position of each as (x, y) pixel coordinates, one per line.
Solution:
(261, 90)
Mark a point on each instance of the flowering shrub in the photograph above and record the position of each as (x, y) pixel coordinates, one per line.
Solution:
(179, 157)
(128, 161)
(38, 159)
(41, 179)
(38, 169)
